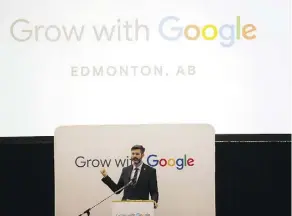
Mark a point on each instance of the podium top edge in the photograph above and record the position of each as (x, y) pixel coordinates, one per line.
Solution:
(122, 201)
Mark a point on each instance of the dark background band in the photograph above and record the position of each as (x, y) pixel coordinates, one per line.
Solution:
(253, 175)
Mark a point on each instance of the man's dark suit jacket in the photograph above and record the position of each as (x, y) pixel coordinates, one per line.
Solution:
(146, 184)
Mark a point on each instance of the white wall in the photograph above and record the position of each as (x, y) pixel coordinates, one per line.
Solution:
(186, 191)
(244, 88)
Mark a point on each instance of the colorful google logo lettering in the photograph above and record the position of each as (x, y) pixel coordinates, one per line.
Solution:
(228, 33)
(179, 163)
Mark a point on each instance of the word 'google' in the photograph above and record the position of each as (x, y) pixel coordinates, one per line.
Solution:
(227, 32)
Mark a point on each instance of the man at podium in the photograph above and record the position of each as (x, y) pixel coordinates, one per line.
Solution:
(143, 179)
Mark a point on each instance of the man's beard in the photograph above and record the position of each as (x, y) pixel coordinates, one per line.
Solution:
(136, 160)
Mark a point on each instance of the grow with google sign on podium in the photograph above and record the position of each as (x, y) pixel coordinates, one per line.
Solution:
(135, 162)
(152, 160)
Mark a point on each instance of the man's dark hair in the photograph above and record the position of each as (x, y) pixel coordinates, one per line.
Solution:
(135, 147)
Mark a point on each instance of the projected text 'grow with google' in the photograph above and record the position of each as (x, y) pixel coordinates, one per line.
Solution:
(152, 160)
(170, 28)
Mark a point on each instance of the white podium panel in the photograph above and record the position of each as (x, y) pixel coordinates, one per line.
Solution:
(133, 208)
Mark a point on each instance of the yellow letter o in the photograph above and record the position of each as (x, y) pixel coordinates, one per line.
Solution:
(171, 162)
(215, 32)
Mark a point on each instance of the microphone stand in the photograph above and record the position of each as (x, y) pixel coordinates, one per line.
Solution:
(88, 210)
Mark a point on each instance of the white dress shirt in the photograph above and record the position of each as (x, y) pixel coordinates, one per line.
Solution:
(139, 171)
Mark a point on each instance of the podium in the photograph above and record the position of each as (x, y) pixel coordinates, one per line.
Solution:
(133, 208)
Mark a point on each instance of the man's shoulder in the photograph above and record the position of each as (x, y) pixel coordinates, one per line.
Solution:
(144, 165)
(127, 167)
(149, 168)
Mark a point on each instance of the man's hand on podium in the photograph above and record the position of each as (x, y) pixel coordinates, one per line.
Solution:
(103, 172)
(155, 204)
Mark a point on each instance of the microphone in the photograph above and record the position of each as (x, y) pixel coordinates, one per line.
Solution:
(131, 182)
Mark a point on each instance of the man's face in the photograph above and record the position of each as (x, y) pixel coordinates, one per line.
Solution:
(136, 156)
